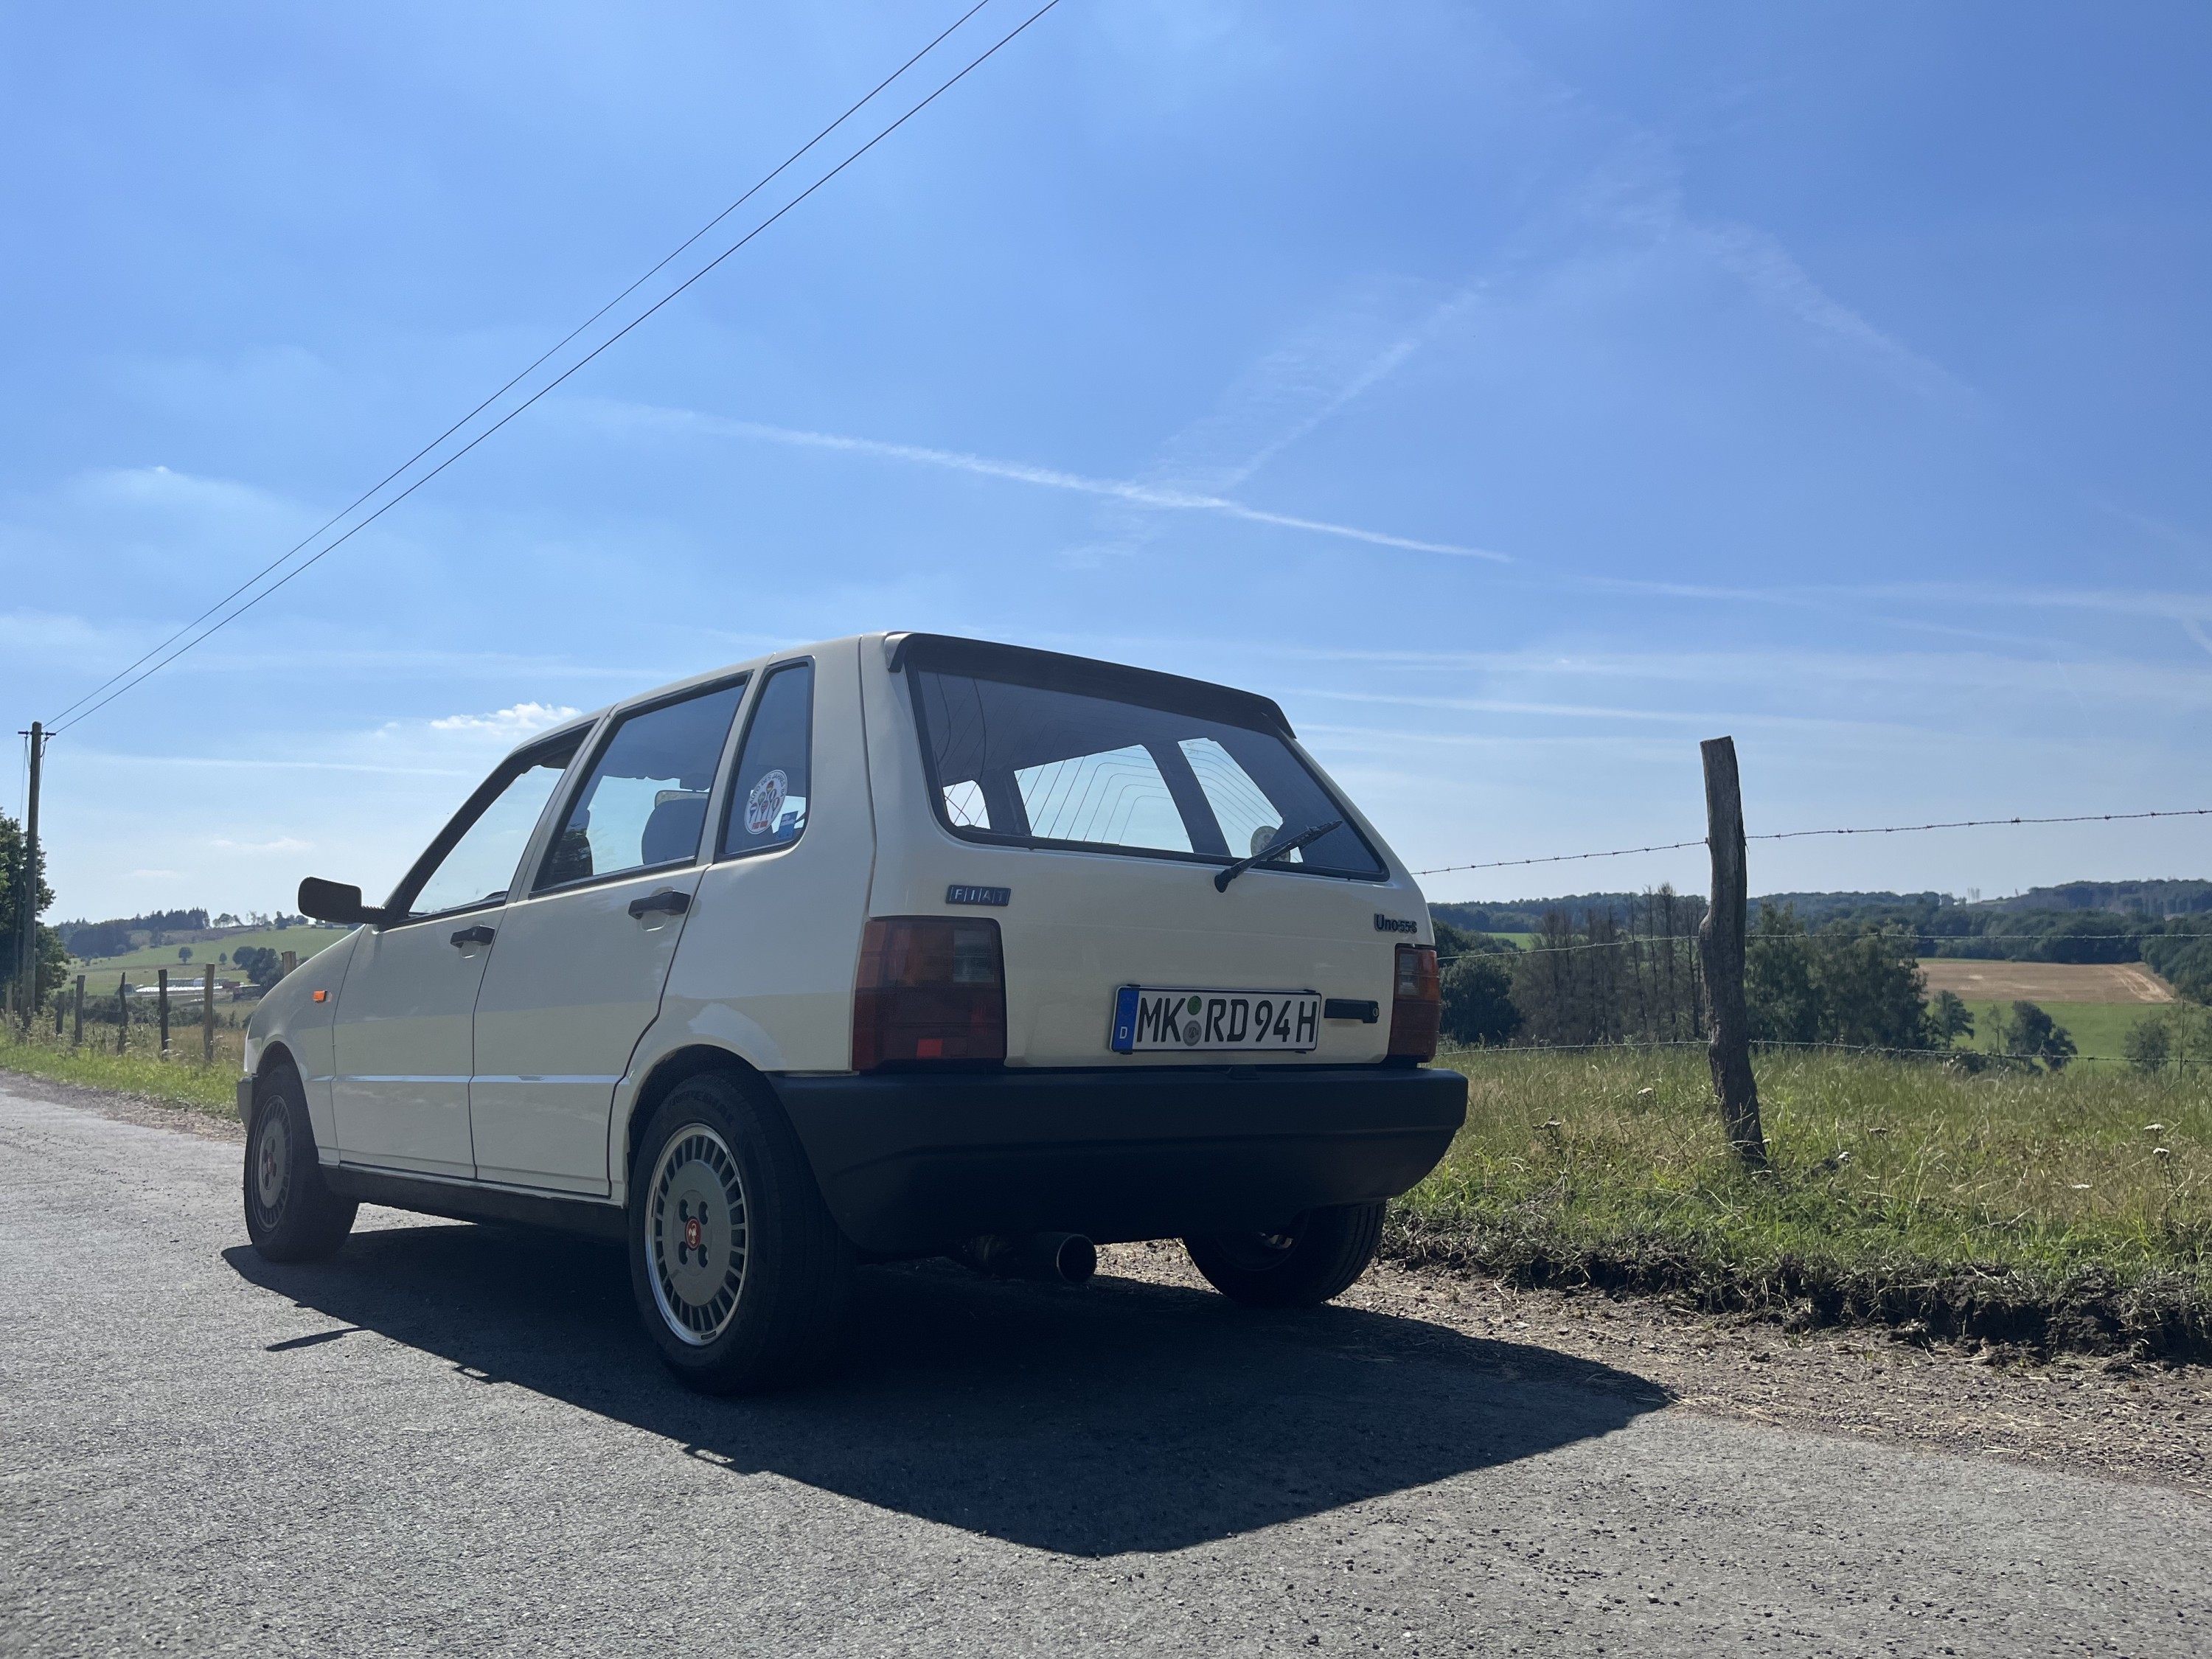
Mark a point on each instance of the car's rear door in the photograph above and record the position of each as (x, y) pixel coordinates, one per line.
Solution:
(582, 956)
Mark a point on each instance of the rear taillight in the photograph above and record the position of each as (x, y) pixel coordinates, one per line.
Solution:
(1416, 1003)
(932, 988)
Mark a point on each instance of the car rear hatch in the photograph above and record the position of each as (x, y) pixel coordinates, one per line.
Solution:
(1105, 820)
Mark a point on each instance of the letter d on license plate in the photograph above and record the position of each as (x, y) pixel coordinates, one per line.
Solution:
(1155, 1020)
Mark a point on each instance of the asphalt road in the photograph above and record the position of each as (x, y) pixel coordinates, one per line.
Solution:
(452, 1438)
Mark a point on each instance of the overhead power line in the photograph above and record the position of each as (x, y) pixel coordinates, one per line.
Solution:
(163, 655)
(1794, 834)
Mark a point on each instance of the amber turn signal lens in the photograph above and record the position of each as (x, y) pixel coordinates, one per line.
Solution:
(1416, 1003)
(932, 988)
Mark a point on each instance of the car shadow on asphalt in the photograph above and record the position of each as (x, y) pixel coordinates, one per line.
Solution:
(1124, 1416)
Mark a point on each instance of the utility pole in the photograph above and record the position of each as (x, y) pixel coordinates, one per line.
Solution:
(27, 943)
(207, 1015)
(1721, 943)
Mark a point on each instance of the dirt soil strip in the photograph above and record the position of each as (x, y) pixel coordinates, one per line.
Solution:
(2045, 981)
(2133, 1422)
(2117, 1419)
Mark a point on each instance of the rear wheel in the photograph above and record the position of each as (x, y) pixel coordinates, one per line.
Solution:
(1316, 1257)
(290, 1214)
(739, 1274)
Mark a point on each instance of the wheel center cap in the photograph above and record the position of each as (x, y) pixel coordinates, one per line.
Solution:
(692, 1232)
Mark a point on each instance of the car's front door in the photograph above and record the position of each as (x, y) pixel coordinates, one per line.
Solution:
(401, 1035)
(577, 973)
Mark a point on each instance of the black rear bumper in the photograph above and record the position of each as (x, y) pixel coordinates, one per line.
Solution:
(913, 1164)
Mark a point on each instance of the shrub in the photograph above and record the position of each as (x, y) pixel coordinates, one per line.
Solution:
(2031, 1034)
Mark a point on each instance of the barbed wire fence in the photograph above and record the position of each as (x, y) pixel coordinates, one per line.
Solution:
(1648, 984)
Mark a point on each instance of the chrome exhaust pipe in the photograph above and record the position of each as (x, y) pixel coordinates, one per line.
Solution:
(1052, 1258)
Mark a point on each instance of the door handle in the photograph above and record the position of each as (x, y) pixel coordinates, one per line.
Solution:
(668, 899)
(478, 934)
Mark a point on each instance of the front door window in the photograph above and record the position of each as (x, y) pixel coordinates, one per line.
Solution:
(477, 868)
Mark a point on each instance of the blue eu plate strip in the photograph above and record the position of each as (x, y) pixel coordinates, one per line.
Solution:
(1125, 1019)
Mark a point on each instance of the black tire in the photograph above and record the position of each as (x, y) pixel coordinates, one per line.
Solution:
(1315, 1258)
(740, 1274)
(290, 1214)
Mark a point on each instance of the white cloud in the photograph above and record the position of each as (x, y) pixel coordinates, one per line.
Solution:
(1126, 491)
(519, 721)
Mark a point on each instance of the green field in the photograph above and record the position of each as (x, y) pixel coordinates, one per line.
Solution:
(2067, 1210)
(2098, 1029)
(304, 940)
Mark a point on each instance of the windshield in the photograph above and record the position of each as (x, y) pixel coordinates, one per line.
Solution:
(1033, 765)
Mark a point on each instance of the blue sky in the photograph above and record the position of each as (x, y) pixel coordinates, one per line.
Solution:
(1519, 394)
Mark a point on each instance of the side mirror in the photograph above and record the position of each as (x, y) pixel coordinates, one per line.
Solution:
(333, 900)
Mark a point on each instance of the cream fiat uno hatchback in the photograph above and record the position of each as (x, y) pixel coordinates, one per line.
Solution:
(895, 947)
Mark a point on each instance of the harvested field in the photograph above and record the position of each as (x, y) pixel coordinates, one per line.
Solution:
(2045, 981)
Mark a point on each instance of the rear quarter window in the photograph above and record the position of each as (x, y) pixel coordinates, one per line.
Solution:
(768, 795)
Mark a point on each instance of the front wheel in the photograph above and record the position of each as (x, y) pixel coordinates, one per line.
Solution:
(1316, 1257)
(290, 1214)
(739, 1274)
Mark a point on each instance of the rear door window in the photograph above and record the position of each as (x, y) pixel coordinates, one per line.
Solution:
(644, 804)
(1041, 766)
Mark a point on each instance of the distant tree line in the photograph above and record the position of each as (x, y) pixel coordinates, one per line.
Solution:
(1629, 973)
(89, 940)
(2178, 946)
(85, 939)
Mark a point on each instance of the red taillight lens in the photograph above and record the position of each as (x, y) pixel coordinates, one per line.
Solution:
(931, 989)
(1416, 1003)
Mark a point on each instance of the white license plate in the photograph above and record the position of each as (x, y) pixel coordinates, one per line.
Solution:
(1155, 1020)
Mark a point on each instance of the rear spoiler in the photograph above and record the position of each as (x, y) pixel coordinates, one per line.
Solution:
(1052, 670)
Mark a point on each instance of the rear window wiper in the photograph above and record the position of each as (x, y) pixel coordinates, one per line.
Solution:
(1283, 849)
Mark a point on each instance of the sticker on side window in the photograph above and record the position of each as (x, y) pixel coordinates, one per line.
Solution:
(765, 805)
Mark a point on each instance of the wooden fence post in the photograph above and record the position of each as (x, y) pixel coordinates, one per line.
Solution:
(290, 960)
(77, 1040)
(207, 1016)
(122, 1013)
(162, 997)
(1721, 946)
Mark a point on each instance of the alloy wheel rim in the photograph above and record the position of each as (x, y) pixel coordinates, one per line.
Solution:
(696, 1234)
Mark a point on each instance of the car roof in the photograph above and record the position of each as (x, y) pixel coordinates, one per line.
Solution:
(987, 659)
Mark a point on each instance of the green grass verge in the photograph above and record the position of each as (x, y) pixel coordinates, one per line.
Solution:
(2032, 1209)
(183, 1082)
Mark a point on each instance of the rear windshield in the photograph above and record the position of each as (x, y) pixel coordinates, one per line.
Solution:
(1034, 766)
